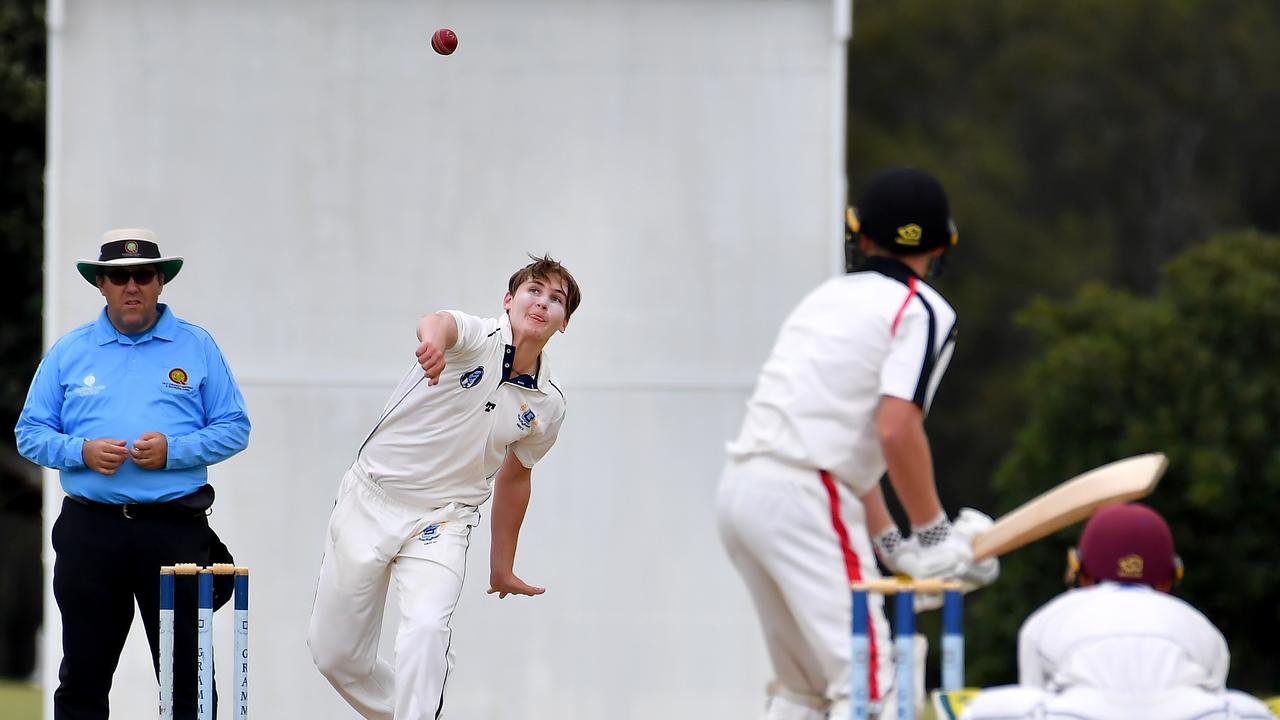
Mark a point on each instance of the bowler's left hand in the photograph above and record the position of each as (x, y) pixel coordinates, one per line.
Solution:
(508, 584)
(150, 451)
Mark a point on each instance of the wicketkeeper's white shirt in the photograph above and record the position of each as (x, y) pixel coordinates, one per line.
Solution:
(878, 331)
(443, 443)
(1127, 639)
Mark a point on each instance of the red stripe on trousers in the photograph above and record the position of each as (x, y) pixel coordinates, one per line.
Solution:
(911, 292)
(853, 571)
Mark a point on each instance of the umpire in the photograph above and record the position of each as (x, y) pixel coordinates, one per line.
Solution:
(131, 409)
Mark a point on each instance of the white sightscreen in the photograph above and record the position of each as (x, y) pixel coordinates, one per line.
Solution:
(329, 179)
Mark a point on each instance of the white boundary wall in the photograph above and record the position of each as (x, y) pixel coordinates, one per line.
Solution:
(330, 179)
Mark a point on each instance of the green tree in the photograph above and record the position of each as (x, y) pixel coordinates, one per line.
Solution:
(1191, 371)
(22, 147)
(22, 102)
(1080, 141)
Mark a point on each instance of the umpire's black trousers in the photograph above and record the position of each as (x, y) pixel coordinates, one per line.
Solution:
(106, 560)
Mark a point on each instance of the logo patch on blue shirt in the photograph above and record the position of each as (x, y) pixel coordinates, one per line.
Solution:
(526, 419)
(471, 378)
(178, 380)
(431, 533)
(90, 386)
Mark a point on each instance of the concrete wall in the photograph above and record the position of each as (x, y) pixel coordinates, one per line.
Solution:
(329, 179)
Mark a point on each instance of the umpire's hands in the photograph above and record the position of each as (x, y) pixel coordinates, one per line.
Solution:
(151, 451)
(508, 584)
(104, 455)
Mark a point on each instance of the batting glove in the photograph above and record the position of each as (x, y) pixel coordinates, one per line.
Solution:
(968, 525)
(940, 551)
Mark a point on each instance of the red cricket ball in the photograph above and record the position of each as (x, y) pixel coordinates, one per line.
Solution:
(444, 41)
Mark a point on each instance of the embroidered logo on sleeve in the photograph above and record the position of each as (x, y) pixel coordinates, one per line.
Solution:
(526, 419)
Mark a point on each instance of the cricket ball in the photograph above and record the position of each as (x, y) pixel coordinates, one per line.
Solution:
(444, 41)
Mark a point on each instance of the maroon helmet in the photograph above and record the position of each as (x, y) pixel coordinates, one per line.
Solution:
(1128, 543)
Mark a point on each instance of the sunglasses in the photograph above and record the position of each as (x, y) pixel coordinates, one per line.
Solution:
(141, 276)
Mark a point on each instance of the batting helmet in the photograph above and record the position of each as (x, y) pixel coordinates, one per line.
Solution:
(903, 210)
(1128, 543)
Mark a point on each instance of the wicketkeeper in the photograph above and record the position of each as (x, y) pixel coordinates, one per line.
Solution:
(1119, 644)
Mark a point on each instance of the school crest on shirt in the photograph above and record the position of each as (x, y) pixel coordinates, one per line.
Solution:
(526, 419)
(431, 533)
(472, 378)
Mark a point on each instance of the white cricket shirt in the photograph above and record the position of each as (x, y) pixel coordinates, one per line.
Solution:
(878, 331)
(443, 443)
(1130, 639)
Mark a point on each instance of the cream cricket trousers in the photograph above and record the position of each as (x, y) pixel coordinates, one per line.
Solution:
(374, 541)
(798, 539)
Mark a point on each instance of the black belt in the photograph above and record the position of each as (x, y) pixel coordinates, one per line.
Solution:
(181, 507)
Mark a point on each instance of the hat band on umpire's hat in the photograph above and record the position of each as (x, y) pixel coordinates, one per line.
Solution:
(118, 249)
(128, 247)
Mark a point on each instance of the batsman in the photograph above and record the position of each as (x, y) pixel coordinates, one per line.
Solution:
(840, 401)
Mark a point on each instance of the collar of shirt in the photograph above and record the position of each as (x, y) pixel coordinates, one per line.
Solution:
(164, 328)
(892, 267)
(533, 382)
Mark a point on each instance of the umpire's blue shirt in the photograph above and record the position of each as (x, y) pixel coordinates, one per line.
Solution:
(99, 383)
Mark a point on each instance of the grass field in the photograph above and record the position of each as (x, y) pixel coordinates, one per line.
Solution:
(19, 701)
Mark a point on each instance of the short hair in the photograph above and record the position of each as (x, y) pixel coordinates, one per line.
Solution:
(544, 268)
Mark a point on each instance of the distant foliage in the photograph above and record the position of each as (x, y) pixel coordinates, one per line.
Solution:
(1084, 146)
(1193, 371)
(1083, 141)
(22, 144)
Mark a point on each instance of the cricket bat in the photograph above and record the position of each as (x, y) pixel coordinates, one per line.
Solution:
(1071, 502)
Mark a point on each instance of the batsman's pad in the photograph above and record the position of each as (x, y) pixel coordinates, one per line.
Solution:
(949, 704)
(783, 704)
(1000, 702)
(919, 655)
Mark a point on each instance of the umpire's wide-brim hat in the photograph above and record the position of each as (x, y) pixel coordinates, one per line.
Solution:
(127, 247)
